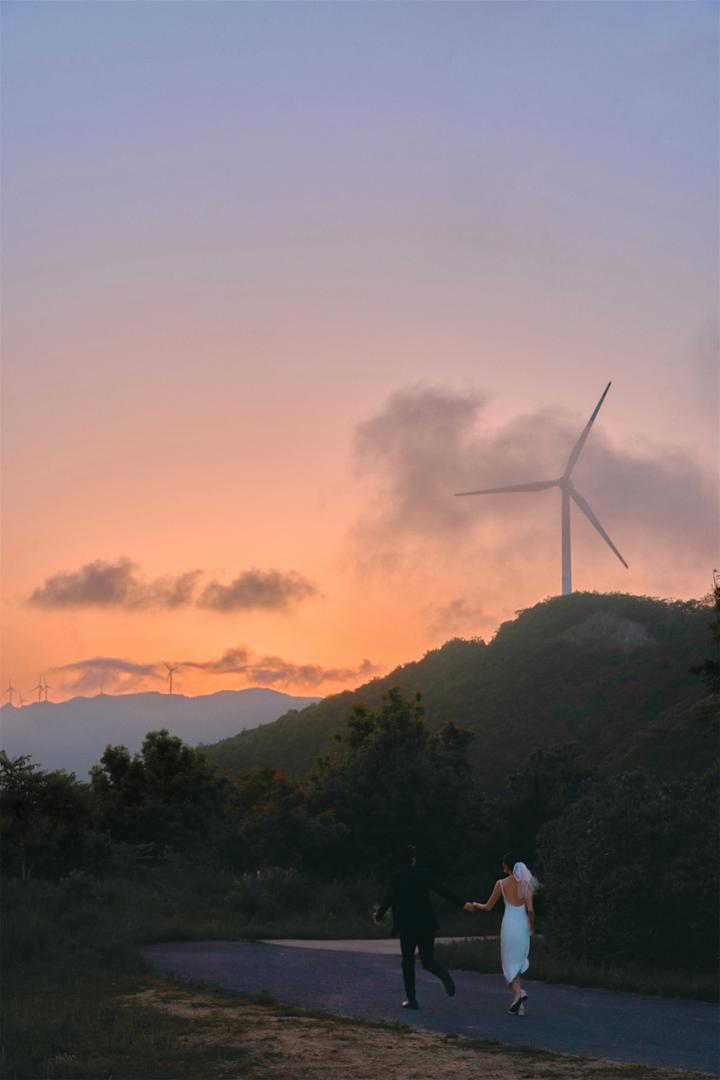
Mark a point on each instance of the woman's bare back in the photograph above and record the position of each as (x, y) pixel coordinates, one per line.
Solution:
(511, 892)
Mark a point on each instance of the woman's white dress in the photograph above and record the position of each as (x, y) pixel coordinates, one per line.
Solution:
(514, 939)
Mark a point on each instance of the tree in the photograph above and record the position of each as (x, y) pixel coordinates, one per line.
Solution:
(274, 828)
(167, 794)
(709, 670)
(547, 783)
(395, 782)
(631, 872)
(45, 817)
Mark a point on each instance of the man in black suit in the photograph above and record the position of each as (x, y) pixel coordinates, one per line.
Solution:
(408, 894)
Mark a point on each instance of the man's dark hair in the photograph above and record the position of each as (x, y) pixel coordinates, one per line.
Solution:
(407, 854)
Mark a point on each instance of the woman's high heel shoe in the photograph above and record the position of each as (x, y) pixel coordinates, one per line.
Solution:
(518, 1006)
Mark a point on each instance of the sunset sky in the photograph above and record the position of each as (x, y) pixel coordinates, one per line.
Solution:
(280, 278)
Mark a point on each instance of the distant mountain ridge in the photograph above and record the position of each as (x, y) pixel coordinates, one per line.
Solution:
(73, 734)
(610, 672)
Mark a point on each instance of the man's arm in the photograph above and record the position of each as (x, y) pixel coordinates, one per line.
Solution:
(442, 890)
(386, 902)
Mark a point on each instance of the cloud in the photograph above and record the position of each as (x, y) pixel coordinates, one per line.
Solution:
(428, 442)
(274, 671)
(416, 449)
(106, 673)
(271, 590)
(458, 616)
(101, 584)
(116, 675)
(118, 584)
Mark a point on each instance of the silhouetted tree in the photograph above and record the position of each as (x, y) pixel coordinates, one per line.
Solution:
(396, 782)
(540, 791)
(45, 817)
(631, 872)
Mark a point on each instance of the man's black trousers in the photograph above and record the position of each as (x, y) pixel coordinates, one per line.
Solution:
(424, 942)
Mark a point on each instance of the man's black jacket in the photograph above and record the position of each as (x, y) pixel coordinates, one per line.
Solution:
(408, 894)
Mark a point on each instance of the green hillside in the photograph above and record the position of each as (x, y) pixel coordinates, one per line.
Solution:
(608, 671)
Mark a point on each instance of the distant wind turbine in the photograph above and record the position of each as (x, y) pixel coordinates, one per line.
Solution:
(567, 492)
(39, 688)
(170, 668)
(46, 687)
(9, 692)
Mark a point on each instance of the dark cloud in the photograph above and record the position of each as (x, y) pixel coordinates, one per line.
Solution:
(274, 671)
(118, 584)
(109, 673)
(117, 675)
(103, 584)
(429, 442)
(271, 590)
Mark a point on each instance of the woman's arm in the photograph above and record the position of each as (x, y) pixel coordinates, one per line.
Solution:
(494, 897)
(530, 912)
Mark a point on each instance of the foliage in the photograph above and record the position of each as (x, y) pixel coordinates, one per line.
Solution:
(631, 872)
(555, 674)
(275, 827)
(45, 817)
(709, 670)
(166, 794)
(396, 782)
(540, 791)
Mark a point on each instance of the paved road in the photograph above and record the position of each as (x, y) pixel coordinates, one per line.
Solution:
(377, 946)
(593, 1023)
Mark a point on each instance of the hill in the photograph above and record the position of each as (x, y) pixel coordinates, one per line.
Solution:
(73, 734)
(610, 672)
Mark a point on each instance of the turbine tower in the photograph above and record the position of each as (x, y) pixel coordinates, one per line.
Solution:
(567, 492)
(170, 668)
(39, 688)
(9, 692)
(46, 687)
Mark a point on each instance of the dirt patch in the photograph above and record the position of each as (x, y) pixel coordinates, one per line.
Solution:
(284, 1043)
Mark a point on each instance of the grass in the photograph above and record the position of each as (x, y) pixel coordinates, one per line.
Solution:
(548, 965)
(70, 955)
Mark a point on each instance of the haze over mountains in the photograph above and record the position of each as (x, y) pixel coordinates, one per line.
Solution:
(73, 734)
(610, 672)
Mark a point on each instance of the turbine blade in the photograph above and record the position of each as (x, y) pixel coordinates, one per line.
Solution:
(537, 485)
(577, 449)
(584, 505)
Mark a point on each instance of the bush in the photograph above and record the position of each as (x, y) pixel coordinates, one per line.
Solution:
(631, 873)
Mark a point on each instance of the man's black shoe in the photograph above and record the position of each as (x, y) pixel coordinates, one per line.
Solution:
(411, 1003)
(448, 983)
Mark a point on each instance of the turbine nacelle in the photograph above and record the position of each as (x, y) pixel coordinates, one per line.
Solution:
(568, 492)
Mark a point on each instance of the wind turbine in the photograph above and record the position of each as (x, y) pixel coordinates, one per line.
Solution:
(171, 668)
(46, 687)
(39, 688)
(567, 492)
(9, 692)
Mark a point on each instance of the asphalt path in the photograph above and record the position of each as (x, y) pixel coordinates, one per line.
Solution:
(367, 985)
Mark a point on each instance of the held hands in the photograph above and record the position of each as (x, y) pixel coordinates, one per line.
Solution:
(473, 906)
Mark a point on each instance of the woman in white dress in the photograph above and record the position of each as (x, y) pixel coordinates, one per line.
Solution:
(518, 925)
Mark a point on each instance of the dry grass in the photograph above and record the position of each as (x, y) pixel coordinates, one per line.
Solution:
(240, 1037)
